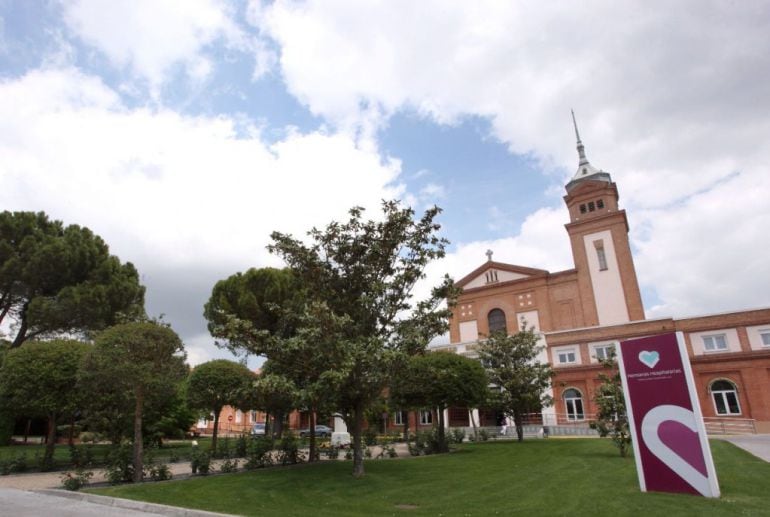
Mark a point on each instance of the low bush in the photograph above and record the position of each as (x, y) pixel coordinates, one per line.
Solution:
(259, 453)
(228, 466)
(74, 481)
(200, 462)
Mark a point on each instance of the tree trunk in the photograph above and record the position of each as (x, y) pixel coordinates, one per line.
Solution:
(138, 444)
(473, 423)
(519, 426)
(51, 443)
(406, 425)
(71, 439)
(358, 425)
(22, 334)
(216, 431)
(26, 429)
(278, 425)
(442, 445)
(311, 419)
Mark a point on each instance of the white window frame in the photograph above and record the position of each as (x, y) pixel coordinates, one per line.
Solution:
(605, 351)
(764, 337)
(576, 416)
(712, 339)
(566, 352)
(398, 417)
(426, 417)
(723, 394)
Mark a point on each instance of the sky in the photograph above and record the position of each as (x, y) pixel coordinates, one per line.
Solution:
(185, 132)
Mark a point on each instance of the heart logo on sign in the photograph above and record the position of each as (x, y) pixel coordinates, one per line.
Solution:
(649, 359)
(687, 461)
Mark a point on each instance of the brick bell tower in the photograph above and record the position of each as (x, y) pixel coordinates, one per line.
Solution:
(598, 233)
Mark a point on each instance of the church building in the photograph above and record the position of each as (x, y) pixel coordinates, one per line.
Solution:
(582, 312)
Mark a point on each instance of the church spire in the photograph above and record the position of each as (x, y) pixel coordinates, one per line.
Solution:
(584, 166)
(580, 147)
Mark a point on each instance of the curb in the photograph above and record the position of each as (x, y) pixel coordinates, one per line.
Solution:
(129, 504)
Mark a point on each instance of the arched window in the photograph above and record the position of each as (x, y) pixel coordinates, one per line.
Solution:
(496, 320)
(725, 397)
(573, 401)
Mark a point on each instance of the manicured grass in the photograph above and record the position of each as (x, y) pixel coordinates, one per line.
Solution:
(537, 477)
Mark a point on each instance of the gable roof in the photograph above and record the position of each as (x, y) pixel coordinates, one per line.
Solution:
(499, 266)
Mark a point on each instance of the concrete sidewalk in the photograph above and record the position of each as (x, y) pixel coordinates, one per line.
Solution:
(22, 503)
(756, 444)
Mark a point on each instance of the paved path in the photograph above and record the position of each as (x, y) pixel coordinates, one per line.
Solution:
(756, 444)
(22, 503)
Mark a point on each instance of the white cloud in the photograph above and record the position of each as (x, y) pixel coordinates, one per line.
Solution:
(670, 99)
(151, 36)
(186, 199)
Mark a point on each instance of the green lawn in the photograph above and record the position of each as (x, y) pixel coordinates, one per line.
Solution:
(537, 477)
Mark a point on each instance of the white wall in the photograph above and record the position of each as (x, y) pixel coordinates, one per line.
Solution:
(607, 285)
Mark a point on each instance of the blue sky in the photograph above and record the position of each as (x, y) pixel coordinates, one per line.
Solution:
(183, 132)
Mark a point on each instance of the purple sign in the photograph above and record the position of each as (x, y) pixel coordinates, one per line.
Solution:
(669, 438)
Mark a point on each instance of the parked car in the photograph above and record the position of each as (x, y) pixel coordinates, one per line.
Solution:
(258, 430)
(320, 430)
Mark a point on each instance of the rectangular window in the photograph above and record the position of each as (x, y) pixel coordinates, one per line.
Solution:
(591, 206)
(426, 417)
(583, 209)
(765, 335)
(600, 203)
(566, 357)
(399, 417)
(601, 257)
(603, 352)
(714, 343)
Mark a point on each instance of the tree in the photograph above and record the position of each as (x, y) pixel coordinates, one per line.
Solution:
(39, 380)
(362, 273)
(276, 395)
(136, 363)
(61, 280)
(611, 417)
(440, 380)
(216, 384)
(512, 366)
(266, 298)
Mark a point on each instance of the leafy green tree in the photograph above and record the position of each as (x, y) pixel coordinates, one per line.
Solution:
(266, 298)
(216, 384)
(362, 274)
(512, 366)
(440, 380)
(61, 280)
(611, 416)
(136, 363)
(275, 395)
(39, 380)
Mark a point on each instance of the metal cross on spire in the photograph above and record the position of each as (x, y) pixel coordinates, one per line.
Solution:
(489, 255)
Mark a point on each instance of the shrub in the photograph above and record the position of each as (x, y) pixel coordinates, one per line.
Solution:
(349, 454)
(159, 472)
(120, 465)
(76, 480)
(259, 454)
(483, 435)
(88, 437)
(81, 456)
(457, 435)
(288, 450)
(332, 452)
(241, 446)
(370, 436)
(229, 466)
(224, 448)
(200, 462)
